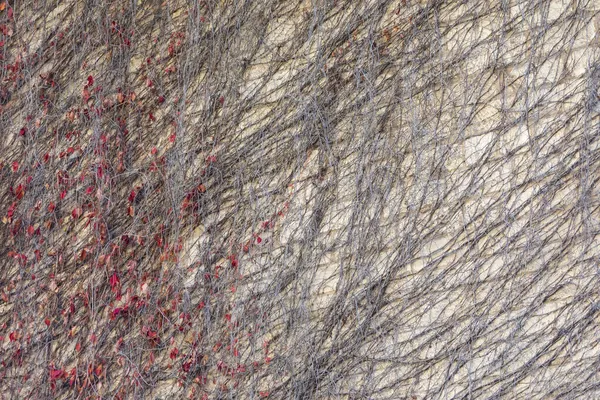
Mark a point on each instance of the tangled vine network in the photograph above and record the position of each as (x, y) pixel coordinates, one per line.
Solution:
(324, 199)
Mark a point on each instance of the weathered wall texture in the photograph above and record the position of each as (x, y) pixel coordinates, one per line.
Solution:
(306, 199)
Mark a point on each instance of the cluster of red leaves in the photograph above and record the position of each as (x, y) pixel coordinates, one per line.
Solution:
(73, 215)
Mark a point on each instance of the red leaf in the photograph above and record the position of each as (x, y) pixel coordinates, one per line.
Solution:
(149, 82)
(258, 239)
(114, 280)
(22, 131)
(73, 373)
(20, 192)
(186, 366)
(15, 166)
(174, 353)
(153, 151)
(47, 321)
(90, 80)
(115, 313)
(131, 196)
(76, 213)
(56, 373)
(51, 207)
(172, 138)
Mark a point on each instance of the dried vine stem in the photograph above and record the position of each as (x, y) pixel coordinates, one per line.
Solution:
(299, 199)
